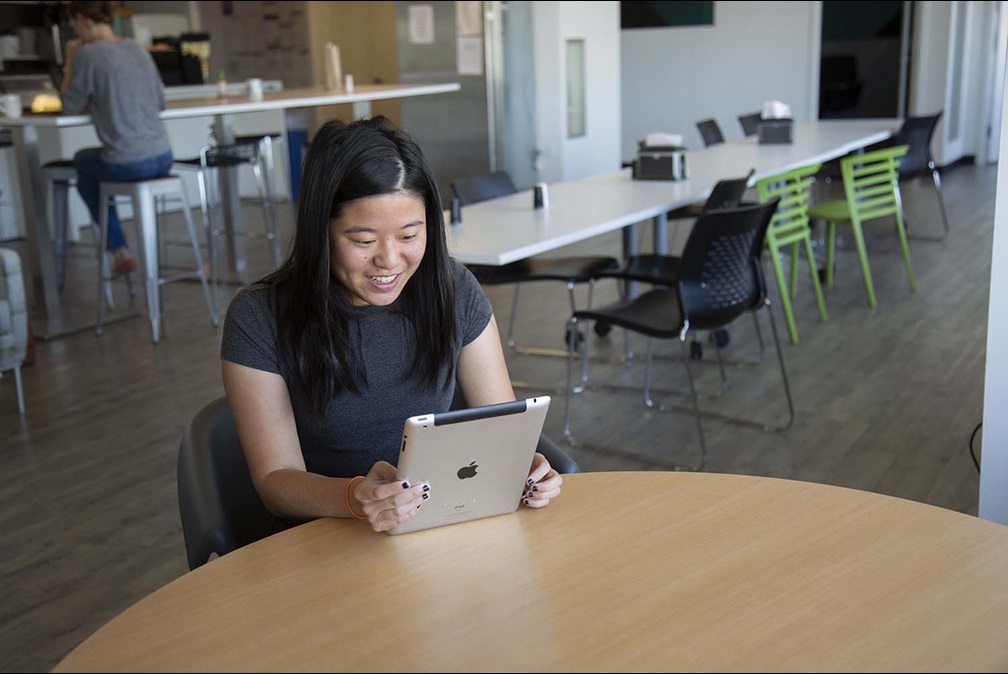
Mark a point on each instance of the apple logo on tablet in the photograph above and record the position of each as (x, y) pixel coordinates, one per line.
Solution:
(467, 471)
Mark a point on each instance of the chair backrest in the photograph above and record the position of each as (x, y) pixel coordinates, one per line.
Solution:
(727, 193)
(216, 156)
(871, 183)
(916, 134)
(710, 132)
(474, 189)
(750, 123)
(218, 504)
(720, 275)
(794, 190)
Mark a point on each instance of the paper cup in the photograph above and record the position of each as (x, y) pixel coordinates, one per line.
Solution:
(255, 89)
(11, 105)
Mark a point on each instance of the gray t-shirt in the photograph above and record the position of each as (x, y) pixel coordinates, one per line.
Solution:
(355, 431)
(119, 82)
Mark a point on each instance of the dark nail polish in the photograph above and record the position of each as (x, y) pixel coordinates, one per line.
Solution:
(526, 501)
(426, 487)
(418, 506)
(405, 485)
(535, 488)
(426, 496)
(530, 481)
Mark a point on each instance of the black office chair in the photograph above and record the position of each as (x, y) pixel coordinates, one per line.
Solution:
(570, 270)
(218, 504)
(661, 270)
(710, 132)
(916, 133)
(255, 151)
(726, 193)
(750, 123)
(719, 278)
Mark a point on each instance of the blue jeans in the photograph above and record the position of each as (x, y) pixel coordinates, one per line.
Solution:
(92, 169)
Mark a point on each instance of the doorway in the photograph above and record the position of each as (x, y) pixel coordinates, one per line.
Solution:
(865, 60)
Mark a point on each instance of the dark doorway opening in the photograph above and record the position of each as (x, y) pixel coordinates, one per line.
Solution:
(864, 66)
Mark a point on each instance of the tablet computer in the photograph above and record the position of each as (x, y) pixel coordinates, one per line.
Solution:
(475, 460)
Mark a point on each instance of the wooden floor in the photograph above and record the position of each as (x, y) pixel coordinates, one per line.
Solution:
(886, 401)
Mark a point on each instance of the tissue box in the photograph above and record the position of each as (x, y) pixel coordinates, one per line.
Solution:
(775, 131)
(660, 163)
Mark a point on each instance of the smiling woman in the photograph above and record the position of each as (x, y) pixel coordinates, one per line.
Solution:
(369, 321)
(377, 244)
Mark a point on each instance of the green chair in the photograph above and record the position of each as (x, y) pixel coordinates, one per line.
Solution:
(871, 187)
(790, 227)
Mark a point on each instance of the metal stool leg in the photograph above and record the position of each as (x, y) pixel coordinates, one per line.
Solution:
(146, 224)
(201, 270)
(104, 271)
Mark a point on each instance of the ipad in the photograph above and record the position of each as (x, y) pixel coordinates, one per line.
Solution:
(475, 460)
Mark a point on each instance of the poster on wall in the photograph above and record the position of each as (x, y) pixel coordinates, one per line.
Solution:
(421, 24)
(469, 55)
(469, 18)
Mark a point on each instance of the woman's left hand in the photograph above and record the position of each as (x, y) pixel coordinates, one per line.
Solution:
(543, 483)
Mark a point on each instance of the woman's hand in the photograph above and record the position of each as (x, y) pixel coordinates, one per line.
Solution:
(543, 483)
(386, 501)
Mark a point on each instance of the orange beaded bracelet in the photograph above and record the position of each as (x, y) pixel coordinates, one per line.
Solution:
(346, 497)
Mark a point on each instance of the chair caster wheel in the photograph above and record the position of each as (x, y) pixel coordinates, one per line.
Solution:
(579, 337)
(720, 338)
(695, 350)
(602, 328)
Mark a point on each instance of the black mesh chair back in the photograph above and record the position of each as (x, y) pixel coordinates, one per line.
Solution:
(474, 189)
(720, 276)
(916, 134)
(710, 132)
(727, 193)
(218, 504)
(719, 279)
(750, 123)
(214, 156)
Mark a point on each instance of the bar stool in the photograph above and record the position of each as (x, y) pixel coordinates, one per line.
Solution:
(59, 176)
(255, 151)
(144, 195)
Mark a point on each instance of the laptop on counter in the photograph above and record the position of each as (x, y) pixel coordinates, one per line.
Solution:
(475, 460)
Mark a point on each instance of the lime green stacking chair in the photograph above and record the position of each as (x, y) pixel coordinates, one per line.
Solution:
(871, 188)
(790, 227)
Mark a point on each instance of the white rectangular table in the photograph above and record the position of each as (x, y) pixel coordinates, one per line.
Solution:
(43, 291)
(506, 229)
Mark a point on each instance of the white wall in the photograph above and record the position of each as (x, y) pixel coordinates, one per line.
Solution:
(597, 23)
(755, 51)
(994, 445)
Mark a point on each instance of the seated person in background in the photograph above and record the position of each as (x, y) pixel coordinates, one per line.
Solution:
(367, 322)
(114, 79)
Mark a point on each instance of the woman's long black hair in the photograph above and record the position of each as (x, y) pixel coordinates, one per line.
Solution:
(365, 158)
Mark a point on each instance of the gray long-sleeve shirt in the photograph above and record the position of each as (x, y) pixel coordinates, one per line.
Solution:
(118, 81)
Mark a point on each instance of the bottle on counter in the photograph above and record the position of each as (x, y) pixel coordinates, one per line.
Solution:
(222, 85)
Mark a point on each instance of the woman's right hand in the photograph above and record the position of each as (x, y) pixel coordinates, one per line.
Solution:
(386, 501)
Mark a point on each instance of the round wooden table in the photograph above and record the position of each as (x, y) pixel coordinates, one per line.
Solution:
(625, 571)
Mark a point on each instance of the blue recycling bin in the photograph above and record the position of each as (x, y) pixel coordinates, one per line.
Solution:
(297, 144)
